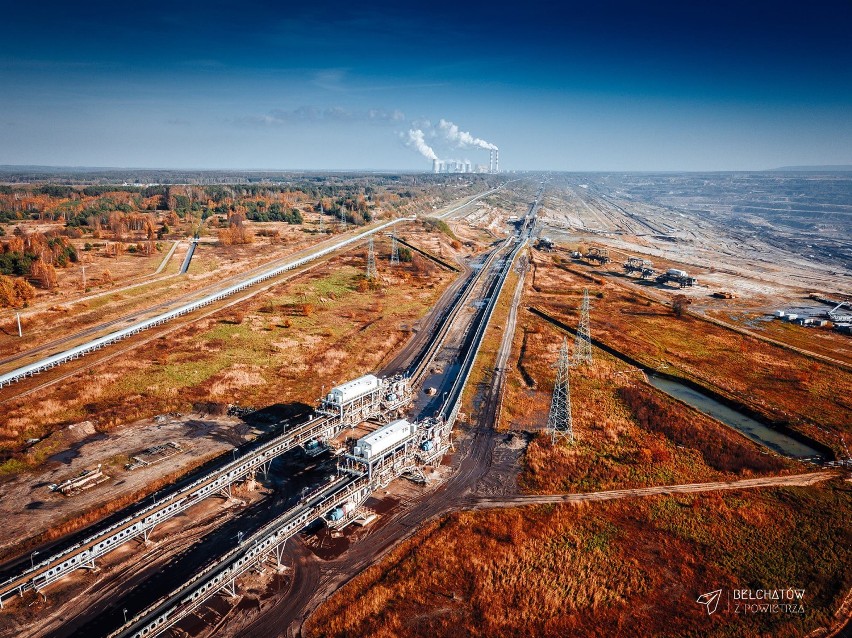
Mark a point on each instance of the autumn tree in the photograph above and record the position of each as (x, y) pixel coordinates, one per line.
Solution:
(44, 273)
(14, 292)
(237, 231)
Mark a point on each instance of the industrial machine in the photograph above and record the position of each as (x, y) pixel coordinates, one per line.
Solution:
(680, 277)
(598, 255)
(638, 265)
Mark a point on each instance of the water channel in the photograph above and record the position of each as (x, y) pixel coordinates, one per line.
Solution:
(757, 432)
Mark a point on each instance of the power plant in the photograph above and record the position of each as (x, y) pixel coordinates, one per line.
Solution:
(448, 133)
(465, 166)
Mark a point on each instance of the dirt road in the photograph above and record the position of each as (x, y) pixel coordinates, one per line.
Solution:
(797, 480)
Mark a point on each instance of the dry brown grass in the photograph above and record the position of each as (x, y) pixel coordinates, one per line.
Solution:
(240, 376)
(784, 386)
(606, 569)
(266, 357)
(616, 445)
(616, 568)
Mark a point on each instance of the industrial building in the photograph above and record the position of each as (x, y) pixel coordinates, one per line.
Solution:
(465, 166)
(350, 390)
(544, 243)
(452, 166)
(598, 255)
(638, 265)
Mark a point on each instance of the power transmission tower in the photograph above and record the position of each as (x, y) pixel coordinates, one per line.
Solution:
(371, 262)
(559, 422)
(583, 342)
(343, 218)
(394, 251)
(322, 219)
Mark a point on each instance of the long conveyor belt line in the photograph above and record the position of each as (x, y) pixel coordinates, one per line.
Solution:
(76, 352)
(248, 554)
(140, 523)
(219, 575)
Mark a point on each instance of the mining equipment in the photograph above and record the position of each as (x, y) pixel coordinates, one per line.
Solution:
(638, 265)
(838, 315)
(599, 255)
(680, 277)
(723, 295)
(544, 243)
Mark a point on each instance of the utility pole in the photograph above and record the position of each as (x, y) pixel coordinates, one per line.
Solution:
(559, 421)
(371, 262)
(394, 251)
(583, 342)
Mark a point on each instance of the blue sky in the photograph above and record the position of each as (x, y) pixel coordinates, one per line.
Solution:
(615, 86)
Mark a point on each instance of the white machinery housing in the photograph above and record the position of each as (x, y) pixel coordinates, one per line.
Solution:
(385, 438)
(352, 390)
(365, 397)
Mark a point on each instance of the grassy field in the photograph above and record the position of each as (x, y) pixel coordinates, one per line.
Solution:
(282, 346)
(621, 568)
(628, 434)
(784, 386)
(819, 340)
(71, 310)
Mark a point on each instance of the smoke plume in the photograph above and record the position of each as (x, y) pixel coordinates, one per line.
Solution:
(462, 139)
(416, 140)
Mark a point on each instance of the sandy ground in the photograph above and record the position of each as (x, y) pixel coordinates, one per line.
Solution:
(764, 272)
(720, 257)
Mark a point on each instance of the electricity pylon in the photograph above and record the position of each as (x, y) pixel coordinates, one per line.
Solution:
(394, 251)
(371, 262)
(583, 342)
(343, 218)
(559, 422)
